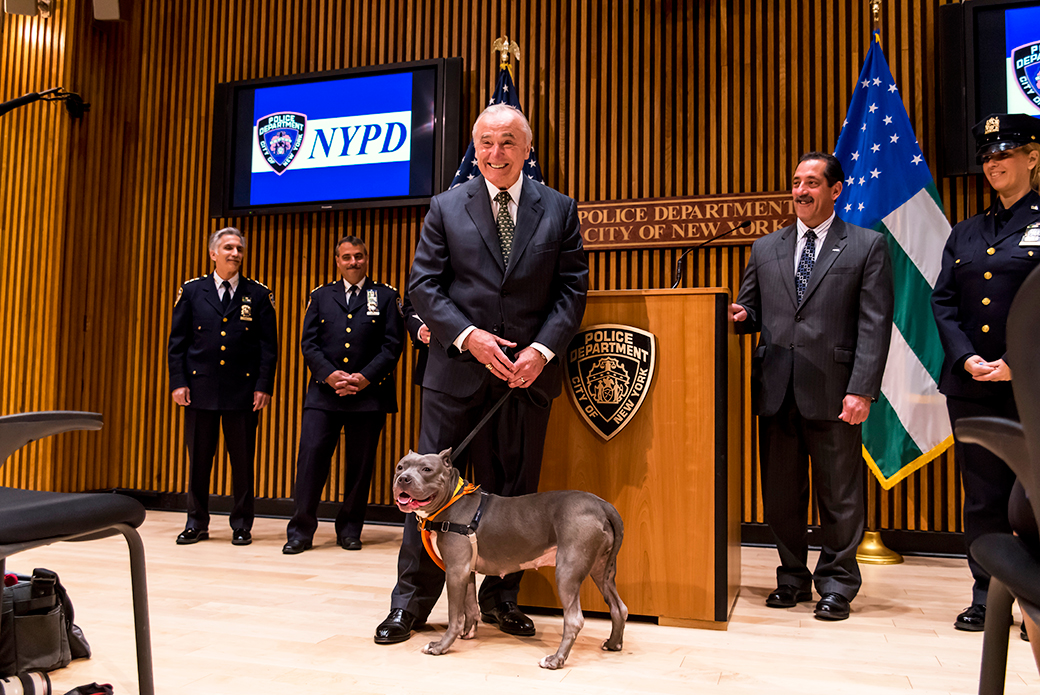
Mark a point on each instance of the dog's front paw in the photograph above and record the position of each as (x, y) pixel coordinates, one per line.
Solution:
(433, 648)
(552, 662)
(471, 632)
(608, 647)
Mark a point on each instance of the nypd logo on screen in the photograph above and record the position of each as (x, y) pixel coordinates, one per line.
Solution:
(288, 139)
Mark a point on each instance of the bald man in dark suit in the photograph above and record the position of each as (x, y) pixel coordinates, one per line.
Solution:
(820, 293)
(500, 278)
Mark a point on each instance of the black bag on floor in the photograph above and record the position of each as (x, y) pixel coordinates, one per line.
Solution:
(36, 630)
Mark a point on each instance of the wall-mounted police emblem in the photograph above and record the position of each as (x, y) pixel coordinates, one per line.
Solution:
(1026, 61)
(280, 136)
(609, 371)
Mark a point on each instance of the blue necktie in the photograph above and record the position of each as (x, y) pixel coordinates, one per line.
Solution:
(805, 264)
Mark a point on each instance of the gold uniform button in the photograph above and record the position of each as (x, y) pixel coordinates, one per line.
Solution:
(988, 275)
(223, 333)
(991, 250)
(222, 363)
(985, 329)
(346, 345)
(348, 330)
(194, 372)
(224, 319)
(346, 359)
(247, 373)
(350, 316)
(200, 328)
(985, 301)
(957, 261)
(1030, 253)
(222, 348)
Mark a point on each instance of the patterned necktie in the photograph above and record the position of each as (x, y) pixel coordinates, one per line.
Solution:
(805, 264)
(505, 225)
(225, 302)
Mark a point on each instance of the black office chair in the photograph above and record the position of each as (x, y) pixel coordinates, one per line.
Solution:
(30, 519)
(1014, 568)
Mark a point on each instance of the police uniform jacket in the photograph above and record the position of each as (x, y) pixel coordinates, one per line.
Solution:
(365, 337)
(223, 357)
(982, 270)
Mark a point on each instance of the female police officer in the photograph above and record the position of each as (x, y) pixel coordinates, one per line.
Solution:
(986, 259)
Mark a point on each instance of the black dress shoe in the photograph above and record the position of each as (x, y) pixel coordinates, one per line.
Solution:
(192, 535)
(972, 619)
(397, 627)
(349, 543)
(509, 619)
(295, 547)
(787, 596)
(832, 606)
(241, 537)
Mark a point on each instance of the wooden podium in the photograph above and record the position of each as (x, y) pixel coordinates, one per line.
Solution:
(672, 473)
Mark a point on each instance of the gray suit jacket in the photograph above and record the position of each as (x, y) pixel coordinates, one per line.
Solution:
(836, 341)
(458, 279)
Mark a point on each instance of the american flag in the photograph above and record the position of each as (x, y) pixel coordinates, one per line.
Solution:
(505, 93)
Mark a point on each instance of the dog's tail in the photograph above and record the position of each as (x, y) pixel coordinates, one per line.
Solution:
(619, 533)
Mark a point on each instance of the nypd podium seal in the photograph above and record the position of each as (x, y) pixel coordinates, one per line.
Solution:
(609, 371)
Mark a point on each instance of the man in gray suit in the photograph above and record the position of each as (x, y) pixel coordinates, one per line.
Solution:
(820, 292)
(500, 278)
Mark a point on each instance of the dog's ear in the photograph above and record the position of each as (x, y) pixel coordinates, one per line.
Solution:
(410, 452)
(446, 455)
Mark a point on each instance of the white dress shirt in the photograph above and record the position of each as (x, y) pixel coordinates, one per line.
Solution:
(821, 238)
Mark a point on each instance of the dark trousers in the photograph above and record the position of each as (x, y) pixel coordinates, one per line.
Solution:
(201, 435)
(319, 435)
(506, 459)
(786, 443)
(987, 481)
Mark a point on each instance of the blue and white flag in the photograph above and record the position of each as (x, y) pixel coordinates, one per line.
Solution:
(505, 93)
(889, 188)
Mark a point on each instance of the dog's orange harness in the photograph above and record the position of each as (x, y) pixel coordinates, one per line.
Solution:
(462, 488)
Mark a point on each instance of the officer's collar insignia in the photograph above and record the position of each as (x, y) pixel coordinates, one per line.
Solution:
(992, 125)
(247, 300)
(279, 137)
(245, 312)
(609, 370)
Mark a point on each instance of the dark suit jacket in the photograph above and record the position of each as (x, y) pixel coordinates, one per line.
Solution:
(354, 339)
(973, 294)
(836, 341)
(223, 357)
(458, 279)
(412, 323)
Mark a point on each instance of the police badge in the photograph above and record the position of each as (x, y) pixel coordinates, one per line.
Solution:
(1026, 61)
(609, 371)
(280, 136)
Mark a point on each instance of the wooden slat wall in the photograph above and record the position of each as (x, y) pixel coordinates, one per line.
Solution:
(102, 219)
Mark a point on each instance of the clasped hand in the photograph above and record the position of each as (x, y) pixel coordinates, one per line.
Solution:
(487, 349)
(346, 384)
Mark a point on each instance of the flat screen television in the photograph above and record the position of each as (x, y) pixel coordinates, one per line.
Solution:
(361, 137)
(989, 57)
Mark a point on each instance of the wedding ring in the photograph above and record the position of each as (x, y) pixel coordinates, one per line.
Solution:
(490, 368)
(523, 380)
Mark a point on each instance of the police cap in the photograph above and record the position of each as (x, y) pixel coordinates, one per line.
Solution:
(1004, 131)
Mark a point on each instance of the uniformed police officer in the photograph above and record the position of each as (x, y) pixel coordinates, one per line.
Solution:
(986, 259)
(352, 338)
(223, 351)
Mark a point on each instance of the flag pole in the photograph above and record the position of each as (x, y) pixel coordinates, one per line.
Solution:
(872, 550)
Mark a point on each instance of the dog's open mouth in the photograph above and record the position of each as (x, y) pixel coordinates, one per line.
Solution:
(407, 503)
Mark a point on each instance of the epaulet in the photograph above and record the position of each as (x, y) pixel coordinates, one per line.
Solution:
(387, 284)
(180, 290)
(194, 279)
(260, 283)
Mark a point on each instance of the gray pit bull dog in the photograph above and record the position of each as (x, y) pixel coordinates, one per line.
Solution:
(576, 531)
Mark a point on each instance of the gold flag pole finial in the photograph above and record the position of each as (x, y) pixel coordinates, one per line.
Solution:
(875, 6)
(502, 44)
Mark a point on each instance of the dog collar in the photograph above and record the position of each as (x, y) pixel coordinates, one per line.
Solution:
(426, 529)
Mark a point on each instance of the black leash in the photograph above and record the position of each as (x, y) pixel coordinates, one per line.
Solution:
(535, 395)
(487, 416)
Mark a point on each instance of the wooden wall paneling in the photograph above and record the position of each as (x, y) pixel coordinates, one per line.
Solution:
(627, 99)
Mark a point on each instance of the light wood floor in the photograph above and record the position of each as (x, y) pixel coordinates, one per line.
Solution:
(229, 621)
